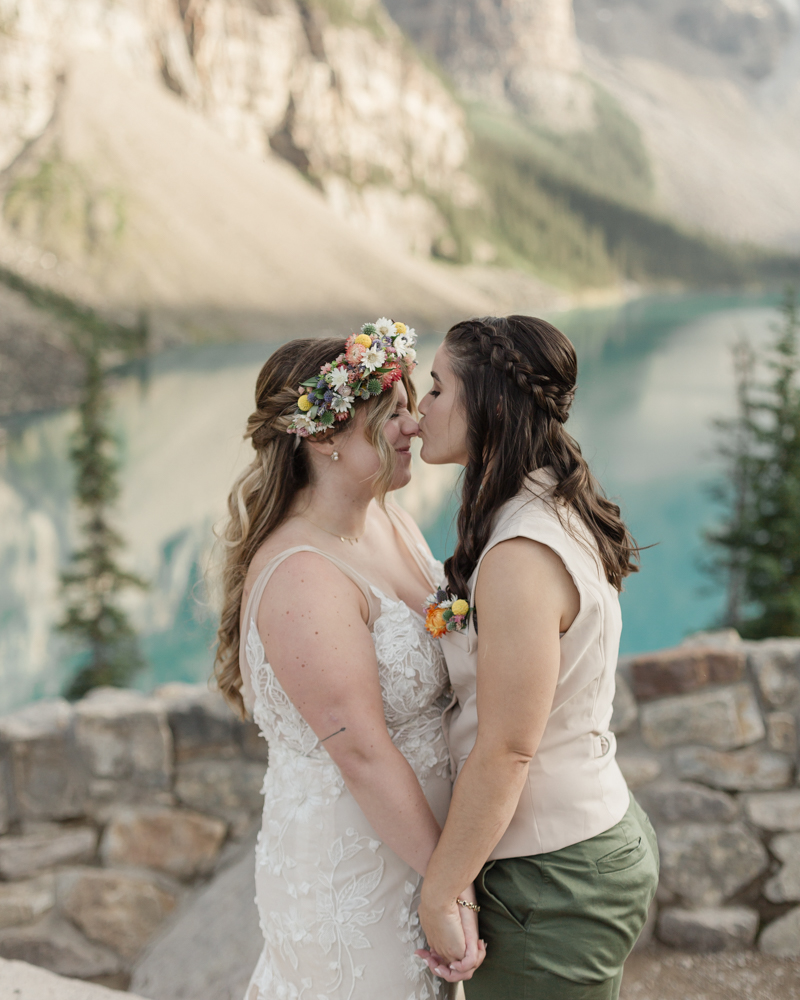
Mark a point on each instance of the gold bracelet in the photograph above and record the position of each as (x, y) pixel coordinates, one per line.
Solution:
(470, 906)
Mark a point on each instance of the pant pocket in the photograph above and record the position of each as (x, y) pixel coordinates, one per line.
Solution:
(622, 857)
(505, 892)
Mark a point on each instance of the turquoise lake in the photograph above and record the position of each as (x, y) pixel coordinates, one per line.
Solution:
(654, 374)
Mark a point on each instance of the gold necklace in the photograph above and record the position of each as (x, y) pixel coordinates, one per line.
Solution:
(342, 538)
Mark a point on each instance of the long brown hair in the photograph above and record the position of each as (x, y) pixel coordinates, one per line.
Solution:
(262, 496)
(517, 379)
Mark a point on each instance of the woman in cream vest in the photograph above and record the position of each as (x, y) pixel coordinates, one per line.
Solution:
(564, 860)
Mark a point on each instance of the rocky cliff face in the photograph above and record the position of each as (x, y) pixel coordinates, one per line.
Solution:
(714, 86)
(518, 53)
(329, 85)
(746, 37)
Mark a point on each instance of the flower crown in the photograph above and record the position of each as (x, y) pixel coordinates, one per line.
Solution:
(373, 360)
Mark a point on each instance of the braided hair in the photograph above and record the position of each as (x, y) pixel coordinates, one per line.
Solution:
(517, 379)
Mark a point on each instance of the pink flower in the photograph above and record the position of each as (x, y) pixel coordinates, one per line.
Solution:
(355, 354)
(392, 376)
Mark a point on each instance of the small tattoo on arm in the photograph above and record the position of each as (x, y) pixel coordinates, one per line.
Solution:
(334, 734)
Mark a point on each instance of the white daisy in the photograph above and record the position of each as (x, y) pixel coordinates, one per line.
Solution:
(385, 327)
(303, 422)
(404, 349)
(341, 404)
(338, 377)
(374, 357)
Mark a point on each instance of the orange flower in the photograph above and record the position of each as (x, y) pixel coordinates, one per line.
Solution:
(434, 622)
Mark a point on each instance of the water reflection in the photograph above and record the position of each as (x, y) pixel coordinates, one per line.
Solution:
(652, 376)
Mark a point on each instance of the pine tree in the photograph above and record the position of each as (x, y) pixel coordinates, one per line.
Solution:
(93, 615)
(757, 547)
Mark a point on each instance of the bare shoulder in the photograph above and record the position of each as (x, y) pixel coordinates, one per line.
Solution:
(307, 587)
(523, 561)
(311, 579)
(525, 577)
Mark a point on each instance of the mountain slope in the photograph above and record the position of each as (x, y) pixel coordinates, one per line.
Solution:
(715, 90)
(712, 87)
(329, 85)
(141, 204)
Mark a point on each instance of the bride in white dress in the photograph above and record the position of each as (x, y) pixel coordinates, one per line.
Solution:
(322, 641)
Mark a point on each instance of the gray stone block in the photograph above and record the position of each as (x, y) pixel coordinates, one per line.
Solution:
(774, 811)
(751, 769)
(684, 669)
(28, 854)
(41, 763)
(721, 638)
(123, 736)
(782, 936)
(121, 910)
(21, 981)
(626, 711)
(637, 769)
(253, 743)
(706, 864)
(724, 718)
(683, 801)
(725, 928)
(781, 732)
(776, 665)
(230, 789)
(202, 724)
(55, 944)
(785, 886)
(182, 843)
(24, 902)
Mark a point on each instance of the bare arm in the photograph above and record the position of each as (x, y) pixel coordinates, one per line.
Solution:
(525, 597)
(312, 624)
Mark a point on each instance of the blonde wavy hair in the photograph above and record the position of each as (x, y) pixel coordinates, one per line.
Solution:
(262, 496)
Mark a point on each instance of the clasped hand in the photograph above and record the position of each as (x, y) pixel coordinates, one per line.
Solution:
(454, 949)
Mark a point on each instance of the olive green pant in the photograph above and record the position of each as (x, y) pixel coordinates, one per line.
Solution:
(559, 926)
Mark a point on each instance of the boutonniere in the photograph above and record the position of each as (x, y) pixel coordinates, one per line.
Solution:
(443, 614)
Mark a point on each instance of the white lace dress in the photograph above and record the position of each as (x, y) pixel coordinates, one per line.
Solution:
(338, 909)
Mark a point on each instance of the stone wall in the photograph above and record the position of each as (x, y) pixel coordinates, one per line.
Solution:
(111, 811)
(707, 739)
(114, 809)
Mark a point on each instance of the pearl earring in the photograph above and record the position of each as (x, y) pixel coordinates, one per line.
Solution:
(335, 456)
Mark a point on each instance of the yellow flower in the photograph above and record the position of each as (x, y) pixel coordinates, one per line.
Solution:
(401, 328)
(459, 607)
(304, 403)
(364, 339)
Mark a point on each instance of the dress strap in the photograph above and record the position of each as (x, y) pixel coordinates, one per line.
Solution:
(260, 584)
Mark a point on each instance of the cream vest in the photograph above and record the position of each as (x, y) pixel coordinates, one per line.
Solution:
(575, 789)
